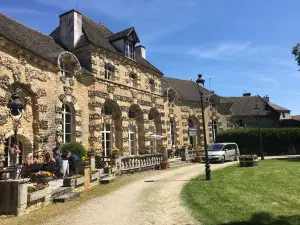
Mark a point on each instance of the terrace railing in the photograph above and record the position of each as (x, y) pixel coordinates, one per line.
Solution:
(141, 162)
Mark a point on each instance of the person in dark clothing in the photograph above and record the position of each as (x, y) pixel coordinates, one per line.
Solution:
(73, 162)
(58, 162)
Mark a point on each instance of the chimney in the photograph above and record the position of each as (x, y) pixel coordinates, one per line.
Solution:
(70, 28)
(141, 50)
(247, 94)
(266, 99)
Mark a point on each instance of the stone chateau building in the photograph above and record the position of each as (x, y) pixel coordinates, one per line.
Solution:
(87, 84)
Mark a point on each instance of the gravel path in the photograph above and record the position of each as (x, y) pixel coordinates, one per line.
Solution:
(140, 203)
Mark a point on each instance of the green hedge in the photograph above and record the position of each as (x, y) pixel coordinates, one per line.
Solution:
(276, 141)
(75, 148)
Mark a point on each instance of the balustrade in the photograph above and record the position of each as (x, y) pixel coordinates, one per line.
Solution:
(141, 162)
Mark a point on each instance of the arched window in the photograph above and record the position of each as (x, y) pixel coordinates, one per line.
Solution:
(172, 132)
(132, 139)
(67, 123)
(8, 159)
(106, 110)
(106, 139)
(109, 72)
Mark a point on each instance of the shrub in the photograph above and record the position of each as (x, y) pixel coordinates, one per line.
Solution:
(75, 148)
(275, 141)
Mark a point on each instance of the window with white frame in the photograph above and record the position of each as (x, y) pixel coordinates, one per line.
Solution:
(172, 132)
(65, 68)
(67, 123)
(129, 50)
(151, 85)
(214, 129)
(106, 139)
(109, 72)
(132, 139)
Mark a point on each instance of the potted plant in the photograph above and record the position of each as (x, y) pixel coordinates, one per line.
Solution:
(94, 174)
(91, 152)
(164, 164)
(35, 192)
(43, 177)
(83, 164)
(107, 169)
(115, 153)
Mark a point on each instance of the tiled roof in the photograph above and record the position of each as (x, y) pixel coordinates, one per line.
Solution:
(279, 108)
(245, 106)
(297, 117)
(30, 39)
(120, 34)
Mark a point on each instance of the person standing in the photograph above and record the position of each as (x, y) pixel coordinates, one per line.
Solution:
(73, 162)
(58, 162)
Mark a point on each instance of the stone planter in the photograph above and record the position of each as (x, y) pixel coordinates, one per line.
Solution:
(164, 165)
(80, 181)
(82, 168)
(73, 182)
(34, 196)
(43, 180)
(107, 170)
(248, 161)
(95, 176)
(113, 169)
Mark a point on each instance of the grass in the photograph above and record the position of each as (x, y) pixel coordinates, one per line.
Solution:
(268, 194)
(52, 210)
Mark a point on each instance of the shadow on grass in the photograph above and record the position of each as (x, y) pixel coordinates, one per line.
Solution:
(292, 159)
(267, 219)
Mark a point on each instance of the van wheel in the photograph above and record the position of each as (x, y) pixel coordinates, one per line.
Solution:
(223, 159)
(235, 158)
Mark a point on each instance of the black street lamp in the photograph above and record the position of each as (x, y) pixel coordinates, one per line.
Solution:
(16, 110)
(199, 81)
(260, 139)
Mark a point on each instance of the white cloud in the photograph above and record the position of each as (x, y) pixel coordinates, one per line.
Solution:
(269, 80)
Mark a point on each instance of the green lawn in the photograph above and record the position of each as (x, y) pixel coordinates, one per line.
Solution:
(268, 194)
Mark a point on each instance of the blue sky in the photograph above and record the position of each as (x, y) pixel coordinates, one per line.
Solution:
(238, 45)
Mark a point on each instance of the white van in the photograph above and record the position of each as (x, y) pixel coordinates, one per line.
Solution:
(223, 151)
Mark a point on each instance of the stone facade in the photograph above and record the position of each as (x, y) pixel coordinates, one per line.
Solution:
(118, 112)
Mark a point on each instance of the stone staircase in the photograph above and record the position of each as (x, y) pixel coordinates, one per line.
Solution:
(175, 162)
(106, 178)
(63, 194)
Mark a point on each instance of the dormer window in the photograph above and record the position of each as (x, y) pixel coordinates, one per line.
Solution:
(129, 50)
(109, 72)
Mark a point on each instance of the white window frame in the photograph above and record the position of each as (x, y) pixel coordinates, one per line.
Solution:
(105, 141)
(128, 53)
(132, 132)
(214, 126)
(63, 69)
(109, 72)
(64, 113)
(172, 129)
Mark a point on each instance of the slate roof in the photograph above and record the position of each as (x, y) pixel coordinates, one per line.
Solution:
(279, 108)
(188, 90)
(98, 34)
(123, 33)
(245, 106)
(297, 117)
(30, 39)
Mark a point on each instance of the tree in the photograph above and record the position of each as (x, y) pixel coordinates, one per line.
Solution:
(296, 52)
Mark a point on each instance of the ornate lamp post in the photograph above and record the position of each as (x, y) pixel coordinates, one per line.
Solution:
(199, 81)
(16, 110)
(260, 139)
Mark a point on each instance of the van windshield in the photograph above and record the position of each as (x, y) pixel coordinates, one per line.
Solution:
(215, 147)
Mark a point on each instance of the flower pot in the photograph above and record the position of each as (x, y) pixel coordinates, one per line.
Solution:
(107, 170)
(82, 168)
(164, 165)
(43, 180)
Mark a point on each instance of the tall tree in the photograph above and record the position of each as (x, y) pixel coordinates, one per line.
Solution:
(296, 52)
